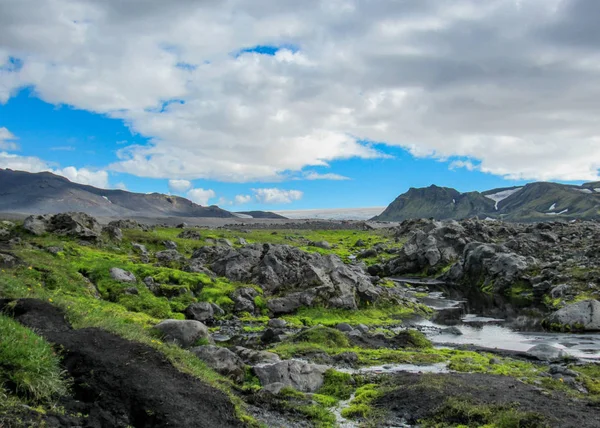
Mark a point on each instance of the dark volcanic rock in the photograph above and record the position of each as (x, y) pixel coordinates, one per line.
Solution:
(301, 277)
(75, 224)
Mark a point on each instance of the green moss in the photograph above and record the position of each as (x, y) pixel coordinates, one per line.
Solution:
(379, 316)
(28, 365)
(337, 384)
(325, 336)
(458, 411)
(362, 404)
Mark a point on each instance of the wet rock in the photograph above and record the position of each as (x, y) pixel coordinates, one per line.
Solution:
(299, 375)
(344, 327)
(253, 357)
(170, 245)
(451, 330)
(580, 316)
(122, 275)
(546, 352)
(222, 360)
(200, 311)
(184, 333)
(277, 323)
(113, 233)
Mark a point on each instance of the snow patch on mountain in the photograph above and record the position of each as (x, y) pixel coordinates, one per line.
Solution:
(552, 207)
(500, 196)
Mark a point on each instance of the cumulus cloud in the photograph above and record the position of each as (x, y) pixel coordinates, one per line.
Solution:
(85, 176)
(513, 86)
(201, 196)
(179, 186)
(277, 196)
(242, 199)
(7, 140)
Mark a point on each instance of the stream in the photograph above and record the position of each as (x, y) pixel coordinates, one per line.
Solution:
(491, 332)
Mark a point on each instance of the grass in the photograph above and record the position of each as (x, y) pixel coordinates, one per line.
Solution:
(29, 366)
(361, 406)
(370, 316)
(461, 412)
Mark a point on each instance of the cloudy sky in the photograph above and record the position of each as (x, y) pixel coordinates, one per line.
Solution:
(307, 104)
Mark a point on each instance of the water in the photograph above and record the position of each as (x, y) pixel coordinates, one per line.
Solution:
(490, 333)
(395, 368)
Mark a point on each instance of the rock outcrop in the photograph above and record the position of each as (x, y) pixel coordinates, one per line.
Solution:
(185, 333)
(75, 224)
(580, 316)
(221, 360)
(299, 375)
(298, 277)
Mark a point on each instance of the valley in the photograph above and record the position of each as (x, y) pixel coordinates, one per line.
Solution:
(281, 323)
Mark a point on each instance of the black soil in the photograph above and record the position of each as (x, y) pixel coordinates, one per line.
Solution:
(121, 383)
(416, 396)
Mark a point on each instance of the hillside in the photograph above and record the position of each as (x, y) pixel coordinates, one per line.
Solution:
(533, 202)
(45, 192)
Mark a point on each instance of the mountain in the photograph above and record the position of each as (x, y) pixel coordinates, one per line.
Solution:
(44, 192)
(539, 201)
(261, 214)
(438, 202)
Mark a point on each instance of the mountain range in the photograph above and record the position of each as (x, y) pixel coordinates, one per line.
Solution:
(540, 201)
(44, 192)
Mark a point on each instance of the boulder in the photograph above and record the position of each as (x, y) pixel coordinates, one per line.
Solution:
(139, 249)
(122, 275)
(76, 224)
(241, 304)
(298, 278)
(168, 256)
(185, 333)
(321, 244)
(344, 327)
(170, 245)
(37, 224)
(225, 242)
(8, 261)
(125, 224)
(113, 233)
(253, 357)
(299, 375)
(274, 388)
(580, 316)
(242, 241)
(221, 360)
(545, 352)
(362, 328)
(200, 311)
(190, 234)
(277, 323)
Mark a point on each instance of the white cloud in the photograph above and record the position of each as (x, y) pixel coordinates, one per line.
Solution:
(277, 196)
(242, 199)
(85, 176)
(7, 140)
(441, 79)
(179, 186)
(312, 175)
(121, 186)
(23, 163)
(201, 196)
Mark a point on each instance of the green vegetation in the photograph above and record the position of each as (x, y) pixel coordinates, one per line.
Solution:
(462, 412)
(325, 336)
(378, 315)
(362, 404)
(29, 366)
(337, 385)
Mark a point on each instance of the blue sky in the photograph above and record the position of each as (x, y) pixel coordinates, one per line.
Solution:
(66, 136)
(298, 108)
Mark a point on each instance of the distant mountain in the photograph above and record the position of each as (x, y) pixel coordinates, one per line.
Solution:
(533, 202)
(261, 214)
(44, 192)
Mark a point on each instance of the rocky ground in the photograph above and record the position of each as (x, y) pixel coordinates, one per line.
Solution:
(296, 324)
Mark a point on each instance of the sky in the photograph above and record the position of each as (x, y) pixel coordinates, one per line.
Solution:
(296, 105)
